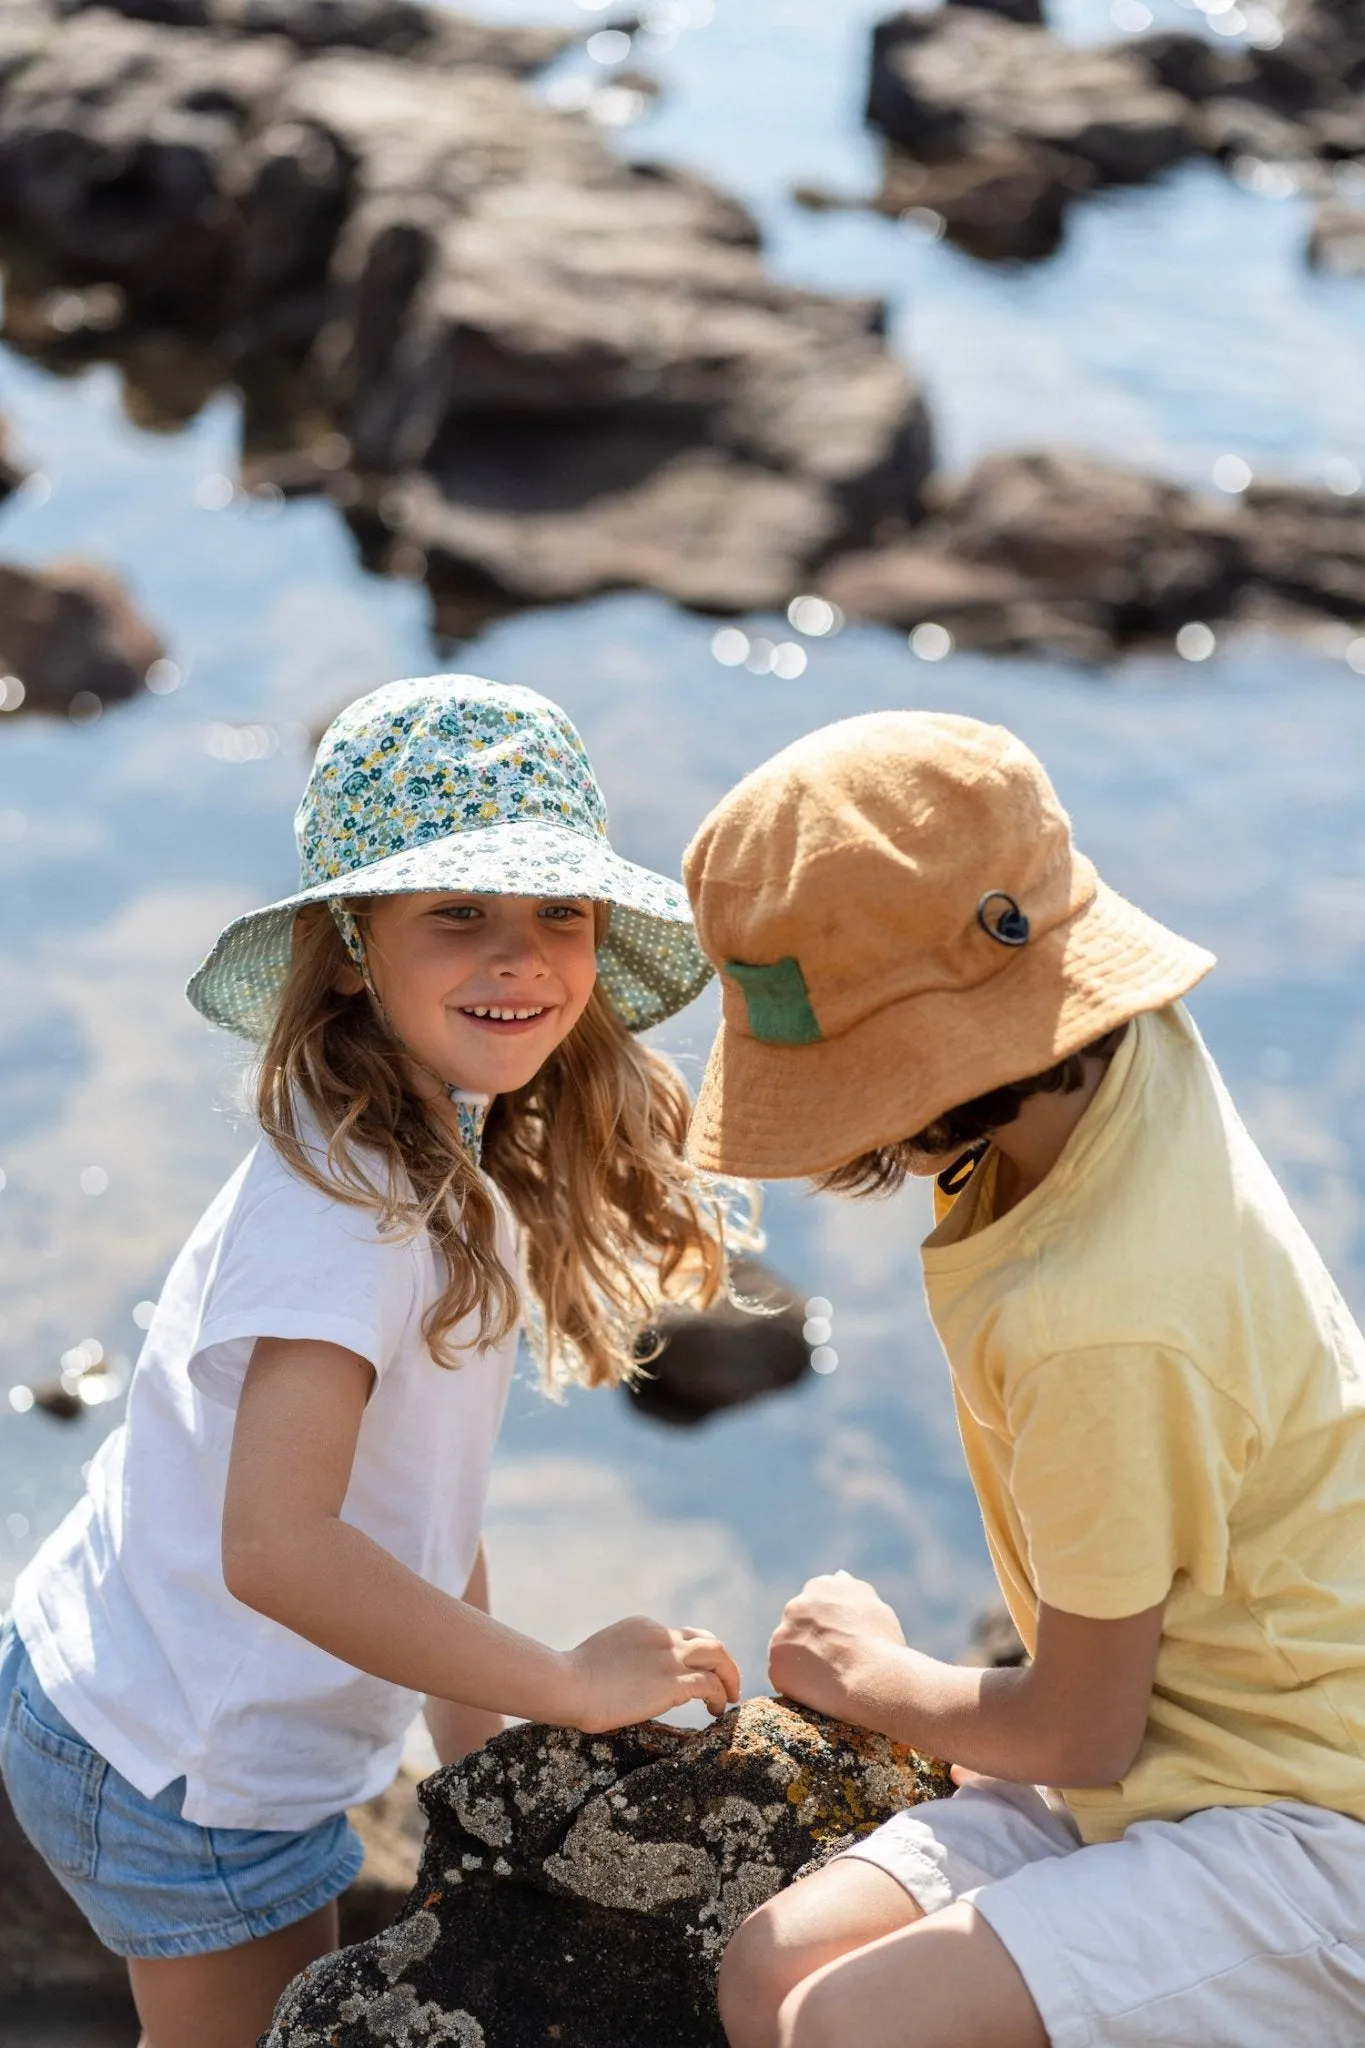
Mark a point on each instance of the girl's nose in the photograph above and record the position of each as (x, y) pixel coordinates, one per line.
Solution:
(518, 950)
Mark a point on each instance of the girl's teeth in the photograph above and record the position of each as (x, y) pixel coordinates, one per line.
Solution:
(502, 1016)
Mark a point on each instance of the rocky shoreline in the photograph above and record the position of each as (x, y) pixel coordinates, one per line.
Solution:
(528, 372)
(996, 127)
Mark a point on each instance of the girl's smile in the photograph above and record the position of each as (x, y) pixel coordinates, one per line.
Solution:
(481, 989)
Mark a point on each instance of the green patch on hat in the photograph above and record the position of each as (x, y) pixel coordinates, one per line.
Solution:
(777, 1001)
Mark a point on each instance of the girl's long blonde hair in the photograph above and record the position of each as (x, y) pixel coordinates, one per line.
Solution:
(589, 1155)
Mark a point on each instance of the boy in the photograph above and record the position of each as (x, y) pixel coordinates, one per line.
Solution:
(1162, 1402)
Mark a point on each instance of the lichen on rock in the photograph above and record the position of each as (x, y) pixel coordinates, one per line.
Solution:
(581, 1889)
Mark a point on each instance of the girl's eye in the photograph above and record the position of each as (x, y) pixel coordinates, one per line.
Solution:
(563, 913)
(460, 913)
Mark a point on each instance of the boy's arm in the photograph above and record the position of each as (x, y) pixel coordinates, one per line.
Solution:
(1075, 1717)
(288, 1554)
(457, 1730)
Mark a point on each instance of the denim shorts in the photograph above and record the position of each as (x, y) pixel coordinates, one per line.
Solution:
(149, 1882)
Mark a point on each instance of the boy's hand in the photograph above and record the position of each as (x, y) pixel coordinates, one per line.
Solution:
(638, 1668)
(829, 1641)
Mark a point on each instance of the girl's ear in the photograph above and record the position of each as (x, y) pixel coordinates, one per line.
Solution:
(347, 981)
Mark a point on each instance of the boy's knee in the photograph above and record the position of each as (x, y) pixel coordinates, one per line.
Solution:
(756, 1973)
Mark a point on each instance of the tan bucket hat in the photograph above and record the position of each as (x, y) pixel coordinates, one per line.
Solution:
(901, 922)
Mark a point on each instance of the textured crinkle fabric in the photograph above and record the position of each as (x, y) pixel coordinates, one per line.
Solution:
(459, 783)
(581, 1889)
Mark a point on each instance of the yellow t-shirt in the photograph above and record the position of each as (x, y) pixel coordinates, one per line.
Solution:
(1161, 1393)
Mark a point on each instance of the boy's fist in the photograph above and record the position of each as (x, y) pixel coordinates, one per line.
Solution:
(828, 1641)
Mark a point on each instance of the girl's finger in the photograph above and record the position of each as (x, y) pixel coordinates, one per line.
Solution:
(706, 1653)
(705, 1687)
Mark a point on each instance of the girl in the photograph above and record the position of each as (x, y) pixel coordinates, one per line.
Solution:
(222, 1646)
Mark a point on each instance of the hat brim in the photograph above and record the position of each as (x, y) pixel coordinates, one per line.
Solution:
(649, 964)
(778, 1112)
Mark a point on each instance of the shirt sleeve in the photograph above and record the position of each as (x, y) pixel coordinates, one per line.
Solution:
(1126, 1465)
(298, 1263)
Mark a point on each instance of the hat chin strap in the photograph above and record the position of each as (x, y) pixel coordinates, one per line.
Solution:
(471, 1108)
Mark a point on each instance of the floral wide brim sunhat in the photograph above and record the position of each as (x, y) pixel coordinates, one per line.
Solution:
(456, 783)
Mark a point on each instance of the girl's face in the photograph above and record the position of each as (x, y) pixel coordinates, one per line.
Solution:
(482, 988)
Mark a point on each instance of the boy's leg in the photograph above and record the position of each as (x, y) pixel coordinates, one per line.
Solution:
(945, 1982)
(840, 1908)
(225, 2000)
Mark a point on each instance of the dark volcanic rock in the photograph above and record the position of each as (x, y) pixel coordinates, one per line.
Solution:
(72, 637)
(581, 1889)
(1308, 547)
(397, 28)
(995, 124)
(124, 151)
(943, 84)
(1337, 243)
(1061, 552)
(1006, 198)
(1030, 11)
(722, 1356)
(548, 372)
(1052, 550)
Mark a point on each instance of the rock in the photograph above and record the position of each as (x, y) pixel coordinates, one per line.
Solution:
(1063, 553)
(1005, 199)
(1230, 127)
(1308, 548)
(121, 151)
(581, 1889)
(725, 1355)
(1050, 550)
(1006, 123)
(1192, 66)
(555, 373)
(12, 471)
(72, 637)
(1337, 244)
(943, 84)
(996, 1643)
(398, 28)
(25, 26)
(1030, 11)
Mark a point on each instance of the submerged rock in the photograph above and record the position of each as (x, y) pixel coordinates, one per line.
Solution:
(72, 637)
(735, 1351)
(581, 1889)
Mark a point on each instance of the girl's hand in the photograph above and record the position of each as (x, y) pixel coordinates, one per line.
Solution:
(638, 1668)
(830, 1642)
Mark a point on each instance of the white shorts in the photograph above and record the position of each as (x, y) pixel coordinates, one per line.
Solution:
(1240, 1927)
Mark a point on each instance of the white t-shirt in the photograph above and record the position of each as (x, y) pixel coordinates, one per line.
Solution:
(132, 1632)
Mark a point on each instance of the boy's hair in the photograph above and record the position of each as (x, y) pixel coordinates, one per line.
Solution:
(887, 1167)
(589, 1155)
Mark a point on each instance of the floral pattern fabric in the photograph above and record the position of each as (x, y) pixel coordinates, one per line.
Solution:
(458, 783)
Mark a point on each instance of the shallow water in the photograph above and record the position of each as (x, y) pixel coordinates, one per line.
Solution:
(1178, 323)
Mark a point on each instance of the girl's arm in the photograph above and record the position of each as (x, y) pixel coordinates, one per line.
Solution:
(456, 1730)
(1074, 1717)
(287, 1553)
